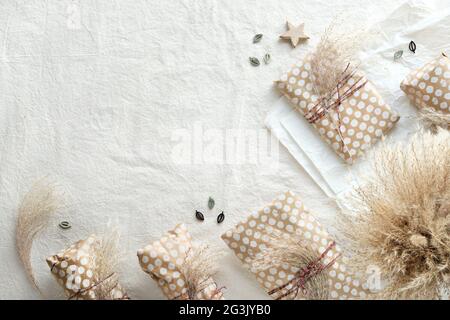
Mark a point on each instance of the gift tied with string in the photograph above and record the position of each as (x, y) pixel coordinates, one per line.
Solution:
(309, 279)
(86, 270)
(335, 97)
(182, 269)
(292, 255)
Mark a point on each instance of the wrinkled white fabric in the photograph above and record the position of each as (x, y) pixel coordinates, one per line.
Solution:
(97, 95)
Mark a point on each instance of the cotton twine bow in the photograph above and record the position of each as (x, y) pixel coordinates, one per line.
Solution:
(96, 284)
(323, 107)
(305, 274)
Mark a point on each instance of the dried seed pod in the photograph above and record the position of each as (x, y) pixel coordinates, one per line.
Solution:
(211, 203)
(412, 47)
(254, 61)
(199, 215)
(220, 217)
(65, 225)
(398, 54)
(257, 38)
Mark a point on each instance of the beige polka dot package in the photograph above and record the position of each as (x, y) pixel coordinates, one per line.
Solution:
(350, 120)
(429, 86)
(77, 271)
(181, 268)
(288, 219)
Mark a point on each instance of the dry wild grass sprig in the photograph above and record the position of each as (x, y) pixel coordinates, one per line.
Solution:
(433, 119)
(334, 52)
(333, 65)
(199, 269)
(293, 251)
(106, 262)
(106, 259)
(399, 218)
(34, 213)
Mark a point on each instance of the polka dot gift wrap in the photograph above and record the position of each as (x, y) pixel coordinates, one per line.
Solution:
(74, 268)
(164, 260)
(429, 86)
(350, 129)
(287, 216)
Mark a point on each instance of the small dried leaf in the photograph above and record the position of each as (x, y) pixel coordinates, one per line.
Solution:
(254, 61)
(398, 54)
(267, 58)
(257, 38)
(65, 225)
(412, 47)
(199, 215)
(211, 203)
(220, 217)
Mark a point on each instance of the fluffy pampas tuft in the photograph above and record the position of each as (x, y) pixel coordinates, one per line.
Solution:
(34, 213)
(400, 218)
(107, 258)
(199, 268)
(294, 252)
(332, 56)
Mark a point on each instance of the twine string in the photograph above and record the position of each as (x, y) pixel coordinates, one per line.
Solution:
(305, 274)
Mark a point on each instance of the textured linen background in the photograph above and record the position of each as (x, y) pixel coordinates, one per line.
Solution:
(91, 93)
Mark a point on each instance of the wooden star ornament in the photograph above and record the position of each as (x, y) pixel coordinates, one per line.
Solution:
(295, 34)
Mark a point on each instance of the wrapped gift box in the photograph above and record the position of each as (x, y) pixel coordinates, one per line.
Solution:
(357, 119)
(287, 216)
(429, 86)
(164, 260)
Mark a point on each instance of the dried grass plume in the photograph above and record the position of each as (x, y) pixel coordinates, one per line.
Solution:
(399, 219)
(199, 269)
(34, 214)
(335, 50)
(107, 258)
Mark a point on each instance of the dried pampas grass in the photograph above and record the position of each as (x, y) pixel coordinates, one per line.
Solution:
(34, 214)
(107, 258)
(400, 220)
(293, 251)
(433, 119)
(199, 268)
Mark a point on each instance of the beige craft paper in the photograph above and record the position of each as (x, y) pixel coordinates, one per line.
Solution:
(364, 117)
(163, 261)
(429, 86)
(74, 268)
(287, 215)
